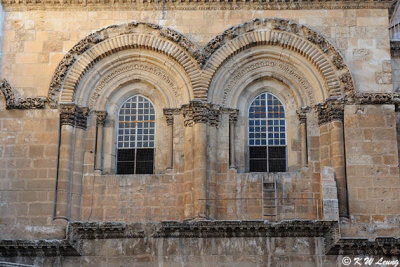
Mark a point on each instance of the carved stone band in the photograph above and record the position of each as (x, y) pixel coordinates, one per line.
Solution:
(332, 109)
(20, 103)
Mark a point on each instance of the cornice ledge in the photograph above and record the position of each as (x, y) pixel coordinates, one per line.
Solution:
(216, 229)
(107, 230)
(200, 5)
(384, 246)
(33, 248)
(375, 98)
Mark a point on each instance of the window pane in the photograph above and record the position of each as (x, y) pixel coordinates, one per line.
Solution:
(135, 130)
(267, 128)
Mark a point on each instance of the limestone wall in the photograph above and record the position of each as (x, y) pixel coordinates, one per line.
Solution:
(28, 164)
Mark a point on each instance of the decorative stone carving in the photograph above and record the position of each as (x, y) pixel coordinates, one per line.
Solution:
(127, 70)
(8, 94)
(100, 117)
(169, 115)
(41, 248)
(332, 109)
(272, 65)
(154, 37)
(377, 98)
(105, 34)
(233, 114)
(20, 103)
(79, 231)
(72, 115)
(281, 32)
(359, 246)
(347, 82)
(200, 112)
(81, 116)
(67, 114)
(302, 114)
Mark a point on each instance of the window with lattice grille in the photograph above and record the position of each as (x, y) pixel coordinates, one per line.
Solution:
(136, 136)
(267, 134)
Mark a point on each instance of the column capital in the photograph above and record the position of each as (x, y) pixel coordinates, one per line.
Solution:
(302, 114)
(67, 114)
(81, 116)
(169, 115)
(330, 110)
(200, 112)
(71, 114)
(101, 116)
(233, 114)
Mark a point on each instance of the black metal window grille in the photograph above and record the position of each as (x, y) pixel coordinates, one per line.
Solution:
(136, 136)
(267, 134)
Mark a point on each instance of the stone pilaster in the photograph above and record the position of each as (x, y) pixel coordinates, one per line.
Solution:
(332, 150)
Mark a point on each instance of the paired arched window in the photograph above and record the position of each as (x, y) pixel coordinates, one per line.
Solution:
(267, 134)
(136, 136)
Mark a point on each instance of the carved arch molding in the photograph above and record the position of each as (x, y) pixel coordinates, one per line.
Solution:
(201, 63)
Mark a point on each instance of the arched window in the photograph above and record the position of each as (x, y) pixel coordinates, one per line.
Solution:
(267, 134)
(136, 136)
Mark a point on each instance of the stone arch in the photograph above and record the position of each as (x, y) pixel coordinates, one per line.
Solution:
(130, 66)
(315, 49)
(115, 38)
(258, 63)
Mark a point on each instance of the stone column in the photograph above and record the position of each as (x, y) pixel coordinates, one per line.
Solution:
(332, 151)
(98, 150)
(169, 116)
(303, 135)
(65, 148)
(232, 121)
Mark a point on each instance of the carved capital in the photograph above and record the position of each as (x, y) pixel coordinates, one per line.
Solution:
(67, 114)
(332, 109)
(81, 116)
(100, 117)
(302, 113)
(169, 115)
(200, 112)
(233, 114)
(70, 114)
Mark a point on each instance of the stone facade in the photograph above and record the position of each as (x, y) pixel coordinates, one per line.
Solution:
(67, 68)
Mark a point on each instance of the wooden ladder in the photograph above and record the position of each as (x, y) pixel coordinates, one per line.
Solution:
(270, 202)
